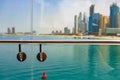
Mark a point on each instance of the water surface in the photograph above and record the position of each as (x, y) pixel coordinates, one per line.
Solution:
(64, 61)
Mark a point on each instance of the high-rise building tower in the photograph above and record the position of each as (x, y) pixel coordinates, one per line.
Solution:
(92, 9)
(79, 21)
(85, 20)
(82, 24)
(90, 24)
(104, 23)
(118, 20)
(8, 31)
(13, 30)
(80, 16)
(90, 28)
(75, 24)
(95, 23)
(114, 10)
(84, 17)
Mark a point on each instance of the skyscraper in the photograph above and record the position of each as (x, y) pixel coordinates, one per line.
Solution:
(91, 18)
(80, 16)
(79, 21)
(118, 20)
(104, 23)
(98, 23)
(8, 31)
(75, 24)
(95, 23)
(84, 17)
(13, 30)
(90, 24)
(114, 10)
(85, 20)
(92, 9)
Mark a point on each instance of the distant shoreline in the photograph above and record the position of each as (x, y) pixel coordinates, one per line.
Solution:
(73, 36)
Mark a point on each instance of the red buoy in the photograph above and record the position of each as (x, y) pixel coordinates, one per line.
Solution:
(44, 75)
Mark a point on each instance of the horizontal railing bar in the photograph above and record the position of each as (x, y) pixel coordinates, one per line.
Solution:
(62, 41)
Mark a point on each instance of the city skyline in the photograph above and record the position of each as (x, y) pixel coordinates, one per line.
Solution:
(48, 14)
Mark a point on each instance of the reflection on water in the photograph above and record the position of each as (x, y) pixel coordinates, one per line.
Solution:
(64, 62)
(114, 61)
(98, 66)
(81, 60)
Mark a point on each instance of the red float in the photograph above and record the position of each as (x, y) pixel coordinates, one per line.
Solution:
(44, 75)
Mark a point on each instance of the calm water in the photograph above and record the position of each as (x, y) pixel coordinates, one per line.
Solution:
(64, 61)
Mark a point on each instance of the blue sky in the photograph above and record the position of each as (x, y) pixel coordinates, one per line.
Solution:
(48, 14)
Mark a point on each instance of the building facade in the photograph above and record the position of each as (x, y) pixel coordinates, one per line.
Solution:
(104, 23)
(114, 10)
(75, 24)
(95, 23)
(92, 9)
(85, 20)
(8, 31)
(13, 30)
(79, 21)
(90, 25)
(82, 23)
(112, 31)
(118, 20)
(66, 30)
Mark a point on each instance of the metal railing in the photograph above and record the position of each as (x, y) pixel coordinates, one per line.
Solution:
(63, 41)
